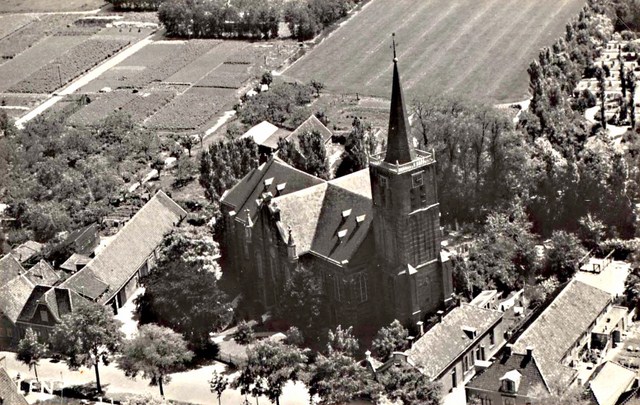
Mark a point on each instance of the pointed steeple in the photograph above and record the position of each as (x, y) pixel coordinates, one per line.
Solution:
(399, 147)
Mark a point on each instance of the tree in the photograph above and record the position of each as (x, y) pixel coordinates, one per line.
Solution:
(218, 384)
(337, 379)
(158, 164)
(187, 142)
(563, 256)
(389, 339)
(311, 157)
(591, 231)
(185, 171)
(273, 364)
(359, 145)
(183, 292)
(87, 337)
(406, 383)
(30, 351)
(317, 86)
(155, 352)
(143, 400)
(342, 341)
(267, 78)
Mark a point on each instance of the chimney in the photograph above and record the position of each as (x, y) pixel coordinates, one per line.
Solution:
(420, 327)
(410, 340)
(508, 351)
(529, 352)
(440, 315)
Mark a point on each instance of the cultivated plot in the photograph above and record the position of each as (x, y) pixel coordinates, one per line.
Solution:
(479, 49)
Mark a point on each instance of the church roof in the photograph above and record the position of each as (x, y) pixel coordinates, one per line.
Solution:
(399, 147)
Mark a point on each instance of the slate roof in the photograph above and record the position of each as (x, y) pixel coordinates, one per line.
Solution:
(531, 381)
(14, 295)
(10, 268)
(559, 326)
(9, 394)
(611, 382)
(42, 273)
(315, 216)
(27, 250)
(445, 341)
(120, 259)
(244, 195)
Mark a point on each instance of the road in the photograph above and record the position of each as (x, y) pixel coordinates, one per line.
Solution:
(84, 80)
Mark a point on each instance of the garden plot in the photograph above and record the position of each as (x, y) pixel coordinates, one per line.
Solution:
(13, 22)
(227, 76)
(197, 69)
(100, 107)
(146, 104)
(70, 65)
(25, 37)
(164, 68)
(248, 55)
(190, 110)
(34, 58)
(21, 100)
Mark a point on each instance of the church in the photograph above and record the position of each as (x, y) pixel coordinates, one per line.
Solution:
(372, 237)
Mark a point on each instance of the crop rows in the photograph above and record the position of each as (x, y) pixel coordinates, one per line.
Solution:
(229, 76)
(147, 104)
(69, 66)
(191, 109)
(11, 23)
(100, 106)
(163, 68)
(247, 56)
(27, 36)
(20, 100)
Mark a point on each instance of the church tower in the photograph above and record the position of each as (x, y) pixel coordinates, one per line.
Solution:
(413, 279)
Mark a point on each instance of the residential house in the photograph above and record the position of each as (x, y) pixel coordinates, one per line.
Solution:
(451, 351)
(13, 297)
(27, 251)
(10, 268)
(9, 393)
(83, 241)
(113, 274)
(371, 238)
(557, 339)
(42, 273)
(611, 382)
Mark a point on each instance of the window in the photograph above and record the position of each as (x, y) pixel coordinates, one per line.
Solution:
(416, 180)
(508, 386)
(259, 266)
(508, 401)
(2, 332)
(336, 287)
(384, 182)
(485, 401)
(44, 316)
(492, 337)
(9, 332)
(361, 285)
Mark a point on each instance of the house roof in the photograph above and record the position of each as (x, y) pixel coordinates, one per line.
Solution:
(311, 124)
(272, 141)
(266, 134)
(244, 195)
(83, 239)
(122, 257)
(42, 273)
(14, 295)
(59, 301)
(611, 382)
(330, 219)
(9, 394)
(10, 268)
(531, 381)
(27, 250)
(559, 326)
(434, 351)
(71, 264)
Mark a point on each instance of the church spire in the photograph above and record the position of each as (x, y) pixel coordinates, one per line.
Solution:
(399, 147)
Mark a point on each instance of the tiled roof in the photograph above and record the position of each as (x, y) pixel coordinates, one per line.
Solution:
(260, 132)
(120, 259)
(83, 239)
(611, 382)
(9, 394)
(329, 219)
(42, 273)
(272, 141)
(10, 268)
(14, 295)
(309, 125)
(71, 264)
(60, 302)
(447, 340)
(531, 381)
(559, 327)
(27, 250)
(244, 195)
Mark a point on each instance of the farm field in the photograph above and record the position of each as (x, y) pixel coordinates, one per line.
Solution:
(479, 49)
(38, 6)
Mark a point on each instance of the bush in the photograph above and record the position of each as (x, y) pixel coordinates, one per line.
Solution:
(244, 334)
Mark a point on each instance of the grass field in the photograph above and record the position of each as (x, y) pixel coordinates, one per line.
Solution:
(479, 49)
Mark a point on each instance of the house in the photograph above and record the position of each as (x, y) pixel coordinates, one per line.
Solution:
(42, 273)
(513, 378)
(75, 262)
(371, 238)
(557, 339)
(113, 274)
(486, 299)
(10, 268)
(13, 297)
(44, 309)
(610, 383)
(452, 349)
(83, 241)
(27, 251)
(9, 393)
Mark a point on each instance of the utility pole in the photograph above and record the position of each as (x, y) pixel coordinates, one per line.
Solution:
(59, 74)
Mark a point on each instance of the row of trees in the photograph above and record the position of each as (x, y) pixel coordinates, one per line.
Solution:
(332, 376)
(244, 18)
(283, 105)
(90, 336)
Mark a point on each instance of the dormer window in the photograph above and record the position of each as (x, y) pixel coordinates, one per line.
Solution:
(510, 382)
(346, 213)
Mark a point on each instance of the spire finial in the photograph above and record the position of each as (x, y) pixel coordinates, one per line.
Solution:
(395, 55)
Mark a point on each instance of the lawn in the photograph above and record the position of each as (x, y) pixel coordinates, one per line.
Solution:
(479, 49)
